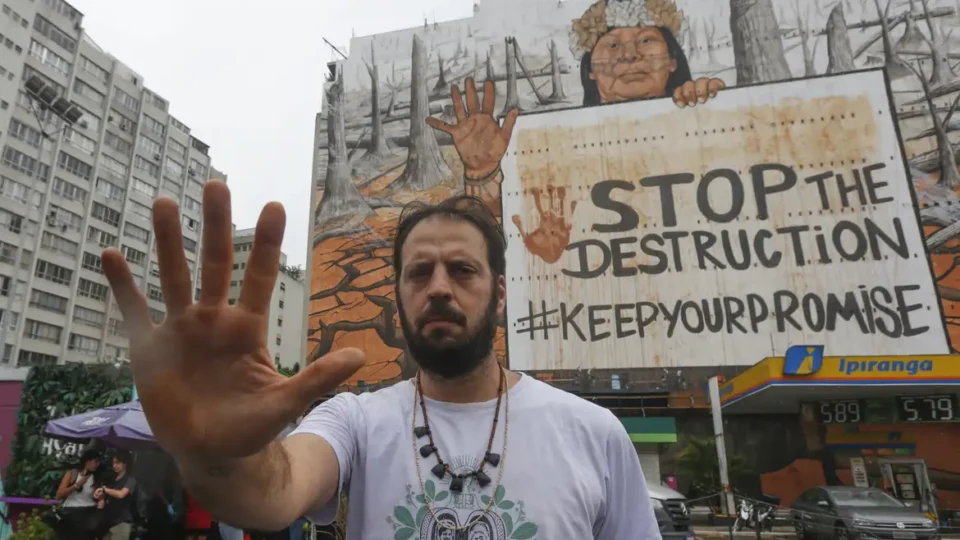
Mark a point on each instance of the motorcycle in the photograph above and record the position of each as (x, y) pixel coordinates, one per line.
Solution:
(756, 514)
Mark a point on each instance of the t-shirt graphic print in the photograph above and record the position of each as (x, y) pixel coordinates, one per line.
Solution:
(456, 516)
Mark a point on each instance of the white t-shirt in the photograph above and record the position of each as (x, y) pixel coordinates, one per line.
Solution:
(569, 469)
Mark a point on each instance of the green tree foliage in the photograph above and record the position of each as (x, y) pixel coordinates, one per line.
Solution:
(699, 461)
(53, 392)
(31, 527)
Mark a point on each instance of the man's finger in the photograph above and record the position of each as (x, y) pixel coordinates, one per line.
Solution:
(217, 248)
(508, 122)
(702, 90)
(457, 103)
(264, 262)
(132, 303)
(473, 101)
(175, 278)
(489, 97)
(322, 376)
(436, 123)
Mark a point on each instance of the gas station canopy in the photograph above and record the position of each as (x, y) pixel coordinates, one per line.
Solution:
(804, 375)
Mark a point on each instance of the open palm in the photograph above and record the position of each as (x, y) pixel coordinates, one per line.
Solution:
(204, 375)
(478, 137)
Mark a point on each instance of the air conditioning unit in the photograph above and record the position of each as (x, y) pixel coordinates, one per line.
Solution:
(156, 157)
(192, 172)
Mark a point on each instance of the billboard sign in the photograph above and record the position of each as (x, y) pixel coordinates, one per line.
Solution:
(643, 235)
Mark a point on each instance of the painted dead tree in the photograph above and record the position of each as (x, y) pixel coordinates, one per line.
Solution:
(895, 66)
(757, 46)
(342, 209)
(380, 151)
(939, 44)
(839, 52)
(949, 176)
(425, 165)
(513, 97)
(555, 76)
(803, 17)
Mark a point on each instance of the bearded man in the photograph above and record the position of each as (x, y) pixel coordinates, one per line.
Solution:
(466, 449)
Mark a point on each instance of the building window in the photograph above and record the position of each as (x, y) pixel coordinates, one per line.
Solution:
(101, 238)
(279, 322)
(31, 359)
(154, 292)
(125, 100)
(133, 256)
(189, 245)
(106, 214)
(156, 315)
(174, 187)
(141, 210)
(141, 164)
(41, 331)
(117, 327)
(174, 147)
(8, 255)
(50, 58)
(20, 193)
(59, 244)
(92, 263)
(54, 34)
(83, 89)
(278, 340)
(84, 345)
(48, 302)
(114, 166)
(92, 290)
(109, 190)
(173, 168)
(149, 147)
(153, 126)
(74, 165)
(123, 123)
(64, 9)
(80, 142)
(64, 219)
(281, 304)
(145, 188)
(283, 286)
(53, 272)
(139, 233)
(154, 269)
(20, 131)
(94, 70)
(112, 352)
(19, 161)
(89, 121)
(69, 191)
(117, 143)
(88, 317)
(192, 205)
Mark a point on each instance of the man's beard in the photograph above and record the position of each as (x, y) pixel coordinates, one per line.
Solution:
(450, 359)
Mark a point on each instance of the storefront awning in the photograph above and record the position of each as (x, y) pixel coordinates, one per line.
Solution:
(780, 384)
(651, 430)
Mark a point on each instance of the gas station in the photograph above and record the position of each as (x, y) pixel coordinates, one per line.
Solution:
(890, 421)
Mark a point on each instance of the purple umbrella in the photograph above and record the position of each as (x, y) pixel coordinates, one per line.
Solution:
(122, 426)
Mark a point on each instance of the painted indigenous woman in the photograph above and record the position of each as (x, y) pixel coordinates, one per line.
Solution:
(628, 50)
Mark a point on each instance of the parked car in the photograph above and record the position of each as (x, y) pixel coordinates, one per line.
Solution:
(847, 513)
(673, 515)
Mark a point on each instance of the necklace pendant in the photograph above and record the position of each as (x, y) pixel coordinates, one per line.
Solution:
(439, 470)
(491, 458)
(421, 431)
(482, 479)
(456, 484)
(427, 449)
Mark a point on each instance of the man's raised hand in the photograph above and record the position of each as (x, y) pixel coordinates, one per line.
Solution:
(205, 376)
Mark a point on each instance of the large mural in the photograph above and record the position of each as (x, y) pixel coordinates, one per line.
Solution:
(428, 112)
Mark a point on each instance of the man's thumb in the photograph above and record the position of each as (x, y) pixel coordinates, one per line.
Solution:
(324, 375)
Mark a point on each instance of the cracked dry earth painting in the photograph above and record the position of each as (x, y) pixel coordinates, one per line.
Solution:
(390, 132)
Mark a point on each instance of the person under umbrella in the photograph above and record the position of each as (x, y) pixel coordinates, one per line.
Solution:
(78, 505)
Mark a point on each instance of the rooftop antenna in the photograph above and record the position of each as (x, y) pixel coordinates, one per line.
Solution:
(334, 47)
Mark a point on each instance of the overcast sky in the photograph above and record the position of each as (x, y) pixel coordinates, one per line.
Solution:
(246, 77)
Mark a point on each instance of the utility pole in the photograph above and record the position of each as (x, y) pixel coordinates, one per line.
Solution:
(43, 98)
(728, 503)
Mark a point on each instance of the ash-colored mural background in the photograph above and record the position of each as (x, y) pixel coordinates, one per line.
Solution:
(389, 131)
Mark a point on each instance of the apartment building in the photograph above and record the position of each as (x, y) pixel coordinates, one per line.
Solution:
(285, 333)
(68, 190)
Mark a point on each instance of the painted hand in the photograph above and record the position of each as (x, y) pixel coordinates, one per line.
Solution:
(700, 90)
(552, 235)
(205, 376)
(478, 137)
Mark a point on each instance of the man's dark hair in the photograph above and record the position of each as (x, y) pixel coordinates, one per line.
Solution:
(460, 208)
(124, 457)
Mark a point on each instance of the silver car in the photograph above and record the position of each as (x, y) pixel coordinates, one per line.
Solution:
(848, 513)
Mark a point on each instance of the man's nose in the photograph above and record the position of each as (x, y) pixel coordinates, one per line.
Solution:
(440, 286)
